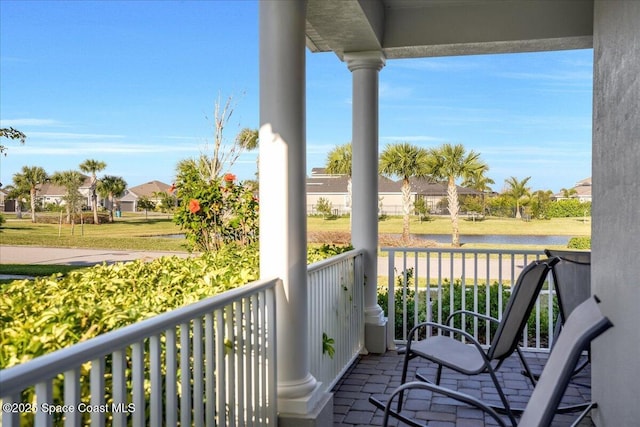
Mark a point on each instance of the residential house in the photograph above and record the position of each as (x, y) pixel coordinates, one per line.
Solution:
(51, 193)
(150, 190)
(334, 188)
(582, 191)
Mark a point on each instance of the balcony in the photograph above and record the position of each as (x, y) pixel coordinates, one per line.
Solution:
(213, 362)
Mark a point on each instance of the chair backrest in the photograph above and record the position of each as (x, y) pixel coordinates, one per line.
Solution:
(584, 324)
(519, 307)
(572, 279)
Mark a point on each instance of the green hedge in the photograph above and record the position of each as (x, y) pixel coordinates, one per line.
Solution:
(446, 289)
(46, 314)
(579, 243)
(568, 208)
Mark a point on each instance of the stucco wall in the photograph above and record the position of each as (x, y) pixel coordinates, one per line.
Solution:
(616, 210)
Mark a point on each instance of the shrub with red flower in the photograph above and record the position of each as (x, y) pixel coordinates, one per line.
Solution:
(194, 206)
(214, 211)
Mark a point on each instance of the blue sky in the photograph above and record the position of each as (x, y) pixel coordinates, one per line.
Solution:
(134, 84)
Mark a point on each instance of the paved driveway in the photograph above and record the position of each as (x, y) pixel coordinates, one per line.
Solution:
(71, 256)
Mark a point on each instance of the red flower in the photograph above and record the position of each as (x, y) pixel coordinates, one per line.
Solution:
(229, 177)
(194, 206)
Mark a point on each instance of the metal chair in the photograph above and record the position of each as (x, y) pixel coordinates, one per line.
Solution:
(584, 324)
(471, 359)
(572, 281)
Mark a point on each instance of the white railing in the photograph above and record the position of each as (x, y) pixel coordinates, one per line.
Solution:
(210, 363)
(420, 281)
(336, 315)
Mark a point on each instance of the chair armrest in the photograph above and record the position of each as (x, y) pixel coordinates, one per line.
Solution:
(471, 313)
(462, 397)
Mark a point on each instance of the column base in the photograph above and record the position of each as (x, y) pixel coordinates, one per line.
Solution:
(319, 411)
(375, 337)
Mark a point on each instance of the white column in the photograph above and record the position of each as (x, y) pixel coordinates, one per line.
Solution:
(283, 220)
(364, 232)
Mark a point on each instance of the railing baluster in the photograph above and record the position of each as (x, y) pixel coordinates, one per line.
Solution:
(44, 395)
(185, 374)
(391, 294)
(209, 372)
(221, 368)
(239, 332)
(171, 381)
(10, 418)
(118, 372)
(198, 374)
(97, 390)
(137, 382)
(155, 361)
(72, 397)
(231, 373)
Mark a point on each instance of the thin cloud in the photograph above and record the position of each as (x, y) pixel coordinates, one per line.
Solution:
(73, 135)
(413, 138)
(561, 76)
(388, 91)
(102, 148)
(29, 122)
(437, 64)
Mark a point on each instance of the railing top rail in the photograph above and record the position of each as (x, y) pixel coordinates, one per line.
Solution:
(465, 250)
(318, 265)
(14, 379)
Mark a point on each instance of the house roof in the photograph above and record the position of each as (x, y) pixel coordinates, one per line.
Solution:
(148, 188)
(50, 189)
(582, 190)
(584, 182)
(321, 182)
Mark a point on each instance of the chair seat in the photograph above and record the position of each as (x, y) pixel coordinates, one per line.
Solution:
(451, 353)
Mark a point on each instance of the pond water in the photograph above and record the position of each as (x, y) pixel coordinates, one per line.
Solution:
(505, 239)
(508, 239)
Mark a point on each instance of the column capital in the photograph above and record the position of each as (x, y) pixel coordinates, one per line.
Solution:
(373, 59)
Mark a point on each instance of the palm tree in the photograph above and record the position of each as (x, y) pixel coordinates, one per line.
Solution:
(567, 193)
(450, 162)
(479, 182)
(248, 139)
(339, 163)
(405, 161)
(93, 166)
(111, 187)
(539, 201)
(30, 178)
(72, 181)
(517, 190)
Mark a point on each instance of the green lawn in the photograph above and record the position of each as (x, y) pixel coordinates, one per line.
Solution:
(134, 232)
(442, 225)
(130, 233)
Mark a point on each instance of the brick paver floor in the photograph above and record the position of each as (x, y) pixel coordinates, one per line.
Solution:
(378, 375)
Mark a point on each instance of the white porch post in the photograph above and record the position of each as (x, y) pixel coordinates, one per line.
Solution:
(283, 220)
(364, 221)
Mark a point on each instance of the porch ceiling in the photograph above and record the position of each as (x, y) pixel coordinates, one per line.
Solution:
(424, 28)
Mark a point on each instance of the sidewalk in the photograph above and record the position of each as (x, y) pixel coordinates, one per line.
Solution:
(71, 256)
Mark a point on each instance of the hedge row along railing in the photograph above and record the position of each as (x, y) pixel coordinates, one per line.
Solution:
(47, 314)
(208, 363)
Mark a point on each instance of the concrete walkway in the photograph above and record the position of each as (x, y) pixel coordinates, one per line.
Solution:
(75, 256)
